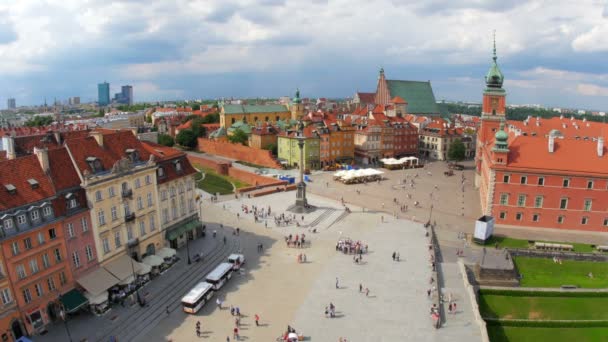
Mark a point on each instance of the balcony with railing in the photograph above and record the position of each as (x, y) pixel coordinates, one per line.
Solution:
(129, 217)
(127, 193)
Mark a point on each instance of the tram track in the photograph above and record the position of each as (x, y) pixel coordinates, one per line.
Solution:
(143, 319)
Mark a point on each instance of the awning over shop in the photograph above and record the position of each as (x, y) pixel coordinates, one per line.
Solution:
(166, 252)
(98, 281)
(144, 269)
(98, 299)
(153, 260)
(73, 300)
(174, 233)
(127, 281)
(123, 267)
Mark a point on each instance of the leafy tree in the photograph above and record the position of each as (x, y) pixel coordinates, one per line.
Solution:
(197, 128)
(273, 148)
(212, 118)
(238, 136)
(196, 106)
(39, 121)
(456, 151)
(187, 138)
(148, 118)
(166, 140)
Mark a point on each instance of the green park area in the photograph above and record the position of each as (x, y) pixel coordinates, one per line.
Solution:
(541, 272)
(212, 182)
(500, 333)
(544, 308)
(544, 316)
(506, 242)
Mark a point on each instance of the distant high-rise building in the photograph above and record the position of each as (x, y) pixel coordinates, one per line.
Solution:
(103, 93)
(11, 103)
(127, 94)
(74, 100)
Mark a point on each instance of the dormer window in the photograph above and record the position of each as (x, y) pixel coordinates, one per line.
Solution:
(178, 166)
(72, 203)
(33, 183)
(160, 172)
(21, 219)
(133, 154)
(94, 164)
(8, 224)
(10, 188)
(35, 215)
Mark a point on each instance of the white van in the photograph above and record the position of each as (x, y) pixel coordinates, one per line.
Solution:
(237, 260)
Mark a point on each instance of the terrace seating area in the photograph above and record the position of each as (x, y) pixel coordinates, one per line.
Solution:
(553, 246)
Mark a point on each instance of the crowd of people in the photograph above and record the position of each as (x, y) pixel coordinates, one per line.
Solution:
(348, 246)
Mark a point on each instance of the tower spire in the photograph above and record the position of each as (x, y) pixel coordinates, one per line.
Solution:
(494, 57)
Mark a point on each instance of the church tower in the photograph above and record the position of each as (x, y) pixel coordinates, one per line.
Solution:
(383, 95)
(493, 110)
(297, 108)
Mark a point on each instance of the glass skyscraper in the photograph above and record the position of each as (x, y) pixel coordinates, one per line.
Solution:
(103, 93)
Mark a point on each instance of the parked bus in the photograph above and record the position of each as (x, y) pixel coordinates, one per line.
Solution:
(197, 297)
(237, 260)
(219, 275)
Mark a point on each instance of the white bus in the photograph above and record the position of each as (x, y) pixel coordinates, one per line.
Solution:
(197, 297)
(219, 275)
(237, 260)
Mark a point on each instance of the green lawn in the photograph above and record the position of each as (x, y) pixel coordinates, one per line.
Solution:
(544, 308)
(517, 334)
(540, 272)
(214, 183)
(506, 242)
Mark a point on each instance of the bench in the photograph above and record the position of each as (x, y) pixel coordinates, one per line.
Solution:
(553, 246)
(569, 287)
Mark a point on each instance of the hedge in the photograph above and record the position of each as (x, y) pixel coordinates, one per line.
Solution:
(545, 324)
(515, 293)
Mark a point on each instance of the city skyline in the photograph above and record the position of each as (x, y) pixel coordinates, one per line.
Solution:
(550, 53)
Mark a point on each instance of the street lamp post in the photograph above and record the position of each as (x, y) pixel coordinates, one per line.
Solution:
(187, 248)
(64, 317)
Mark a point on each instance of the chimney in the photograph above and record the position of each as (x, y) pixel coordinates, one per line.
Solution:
(600, 146)
(561, 117)
(57, 137)
(43, 158)
(8, 142)
(98, 137)
(551, 144)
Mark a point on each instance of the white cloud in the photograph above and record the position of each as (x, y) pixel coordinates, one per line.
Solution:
(591, 90)
(593, 40)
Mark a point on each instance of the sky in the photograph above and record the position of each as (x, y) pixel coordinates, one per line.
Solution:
(551, 52)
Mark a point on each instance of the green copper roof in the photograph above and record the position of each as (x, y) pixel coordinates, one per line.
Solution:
(297, 98)
(419, 96)
(220, 132)
(240, 125)
(501, 138)
(494, 77)
(244, 109)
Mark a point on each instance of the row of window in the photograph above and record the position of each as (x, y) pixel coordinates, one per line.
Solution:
(105, 242)
(536, 218)
(124, 187)
(541, 181)
(538, 201)
(172, 190)
(27, 242)
(84, 226)
(88, 251)
(33, 264)
(38, 288)
(165, 212)
(9, 224)
(101, 216)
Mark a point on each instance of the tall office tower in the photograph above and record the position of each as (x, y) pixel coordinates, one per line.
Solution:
(103, 93)
(127, 94)
(11, 103)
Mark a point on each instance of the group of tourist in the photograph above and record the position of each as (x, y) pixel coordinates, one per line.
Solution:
(348, 246)
(297, 241)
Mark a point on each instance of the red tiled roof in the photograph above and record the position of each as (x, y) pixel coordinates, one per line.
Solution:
(569, 155)
(378, 109)
(566, 126)
(17, 172)
(398, 100)
(62, 170)
(366, 97)
(185, 125)
(161, 152)
(83, 148)
(119, 141)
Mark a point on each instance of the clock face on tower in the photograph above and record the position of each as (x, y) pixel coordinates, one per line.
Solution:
(494, 105)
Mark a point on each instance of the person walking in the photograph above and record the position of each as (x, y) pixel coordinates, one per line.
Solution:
(366, 292)
(450, 308)
(337, 283)
(167, 310)
(394, 254)
(257, 320)
(360, 287)
(198, 332)
(235, 334)
(219, 303)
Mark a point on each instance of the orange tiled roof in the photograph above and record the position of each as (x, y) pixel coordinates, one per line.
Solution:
(398, 100)
(17, 172)
(569, 155)
(62, 170)
(566, 126)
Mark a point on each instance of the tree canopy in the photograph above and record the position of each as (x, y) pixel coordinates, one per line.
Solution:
(39, 121)
(456, 151)
(187, 138)
(166, 140)
(238, 136)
